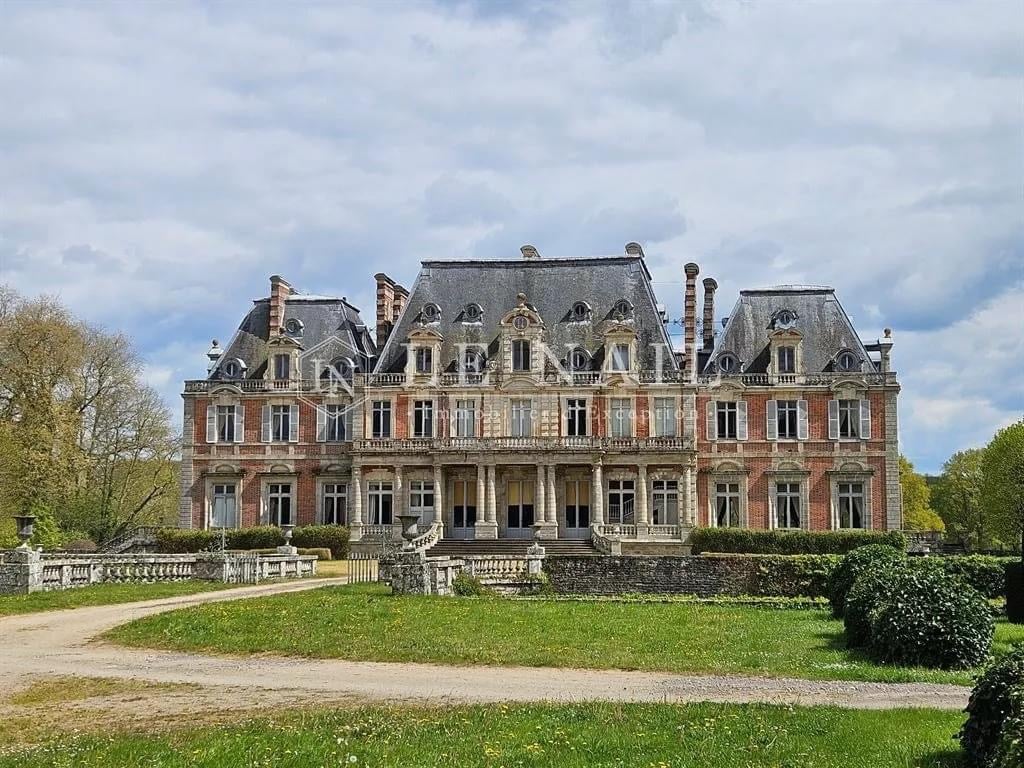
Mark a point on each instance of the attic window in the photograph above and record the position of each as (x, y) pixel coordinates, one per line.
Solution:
(846, 361)
(431, 312)
(473, 361)
(579, 360)
(622, 310)
(520, 322)
(580, 311)
(785, 318)
(472, 313)
(293, 327)
(233, 369)
(728, 363)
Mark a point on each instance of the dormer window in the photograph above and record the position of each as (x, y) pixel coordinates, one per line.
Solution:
(233, 369)
(520, 353)
(341, 369)
(847, 362)
(473, 361)
(785, 318)
(431, 313)
(293, 327)
(424, 360)
(622, 310)
(282, 367)
(579, 360)
(580, 312)
(520, 323)
(472, 313)
(620, 357)
(785, 359)
(728, 364)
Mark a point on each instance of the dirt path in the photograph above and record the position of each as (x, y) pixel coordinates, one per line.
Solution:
(60, 643)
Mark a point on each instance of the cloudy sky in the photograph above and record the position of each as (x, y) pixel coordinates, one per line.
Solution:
(159, 160)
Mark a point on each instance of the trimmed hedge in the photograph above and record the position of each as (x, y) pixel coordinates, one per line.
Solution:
(990, 707)
(930, 618)
(331, 537)
(1014, 574)
(986, 573)
(794, 575)
(746, 541)
(859, 561)
(321, 552)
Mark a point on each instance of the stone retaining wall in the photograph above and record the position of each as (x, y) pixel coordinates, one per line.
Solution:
(704, 576)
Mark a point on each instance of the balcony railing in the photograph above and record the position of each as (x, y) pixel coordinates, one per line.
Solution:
(801, 379)
(586, 444)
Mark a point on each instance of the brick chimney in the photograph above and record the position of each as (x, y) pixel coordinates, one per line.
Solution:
(385, 307)
(401, 297)
(710, 286)
(690, 319)
(280, 290)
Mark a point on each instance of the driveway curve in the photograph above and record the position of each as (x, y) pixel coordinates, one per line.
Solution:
(60, 643)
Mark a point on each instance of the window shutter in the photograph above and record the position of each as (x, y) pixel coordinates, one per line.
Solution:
(211, 423)
(802, 431)
(865, 419)
(293, 424)
(833, 419)
(712, 421)
(239, 424)
(265, 434)
(321, 423)
(347, 420)
(741, 420)
(772, 421)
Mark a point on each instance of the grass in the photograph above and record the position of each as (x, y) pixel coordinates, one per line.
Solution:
(367, 623)
(62, 689)
(100, 594)
(568, 736)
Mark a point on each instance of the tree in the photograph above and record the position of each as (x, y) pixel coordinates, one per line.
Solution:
(1002, 469)
(918, 514)
(957, 498)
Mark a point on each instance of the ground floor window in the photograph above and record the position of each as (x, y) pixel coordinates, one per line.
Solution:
(381, 502)
(665, 502)
(279, 504)
(224, 506)
(333, 504)
(421, 499)
(621, 500)
(577, 504)
(520, 503)
(851, 505)
(464, 504)
(787, 505)
(727, 505)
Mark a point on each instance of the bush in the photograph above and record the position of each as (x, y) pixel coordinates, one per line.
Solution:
(990, 706)
(930, 619)
(465, 585)
(80, 545)
(175, 540)
(1015, 592)
(258, 537)
(986, 573)
(860, 601)
(744, 540)
(1010, 752)
(793, 575)
(860, 560)
(332, 537)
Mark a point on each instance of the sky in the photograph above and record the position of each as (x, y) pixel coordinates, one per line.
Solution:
(158, 161)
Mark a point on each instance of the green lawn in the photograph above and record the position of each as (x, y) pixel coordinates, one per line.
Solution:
(100, 594)
(584, 735)
(367, 623)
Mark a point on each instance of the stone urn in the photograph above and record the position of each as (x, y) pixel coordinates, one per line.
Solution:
(287, 549)
(410, 528)
(26, 527)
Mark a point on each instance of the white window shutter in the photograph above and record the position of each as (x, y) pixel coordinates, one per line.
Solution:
(865, 419)
(712, 420)
(321, 423)
(833, 419)
(772, 421)
(802, 431)
(293, 424)
(741, 420)
(239, 423)
(265, 433)
(211, 423)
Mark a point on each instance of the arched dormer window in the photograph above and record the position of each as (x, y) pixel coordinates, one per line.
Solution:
(473, 361)
(233, 369)
(472, 313)
(622, 310)
(431, 313)
(341, 369)
(847, 362)
(580, 312)
(728, 364)
(784, 318)
(293, 326)
(579, 360)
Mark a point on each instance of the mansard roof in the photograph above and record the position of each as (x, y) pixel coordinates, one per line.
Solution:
(330, 328)
(551, 285)
(820, 320)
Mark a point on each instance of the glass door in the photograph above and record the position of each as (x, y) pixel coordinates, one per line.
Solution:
(577, 509)
(464, 509)
(519, 500)
(621, 499)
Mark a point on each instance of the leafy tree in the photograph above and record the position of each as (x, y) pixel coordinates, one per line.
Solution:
(918, 514)
(1002, 470)
(957, 498)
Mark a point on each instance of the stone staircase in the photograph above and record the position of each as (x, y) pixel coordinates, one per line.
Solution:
(517, 547)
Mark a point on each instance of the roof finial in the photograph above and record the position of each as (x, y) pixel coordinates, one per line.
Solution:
(520, 299)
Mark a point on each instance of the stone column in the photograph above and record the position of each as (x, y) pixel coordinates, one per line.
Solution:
(597, 496)
(546, 528)
(438, 494)
(690, 480)
(486, 517)
(492, 494)
(551, 497)
(398, 502)
(356, 523)
(643, 515)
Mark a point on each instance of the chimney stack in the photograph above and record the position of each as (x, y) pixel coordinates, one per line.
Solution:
(529, 252)
(710, 286)
(885, 348)
(385, 307)
(401, 297)
(280, 290)
(690, 319)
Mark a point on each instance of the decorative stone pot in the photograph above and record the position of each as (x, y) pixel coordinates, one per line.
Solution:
(26, 527)
(410, 528)
(287, 549)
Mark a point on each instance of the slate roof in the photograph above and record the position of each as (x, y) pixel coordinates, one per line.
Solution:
(820, 318)
(551, 285)
(330, 325)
